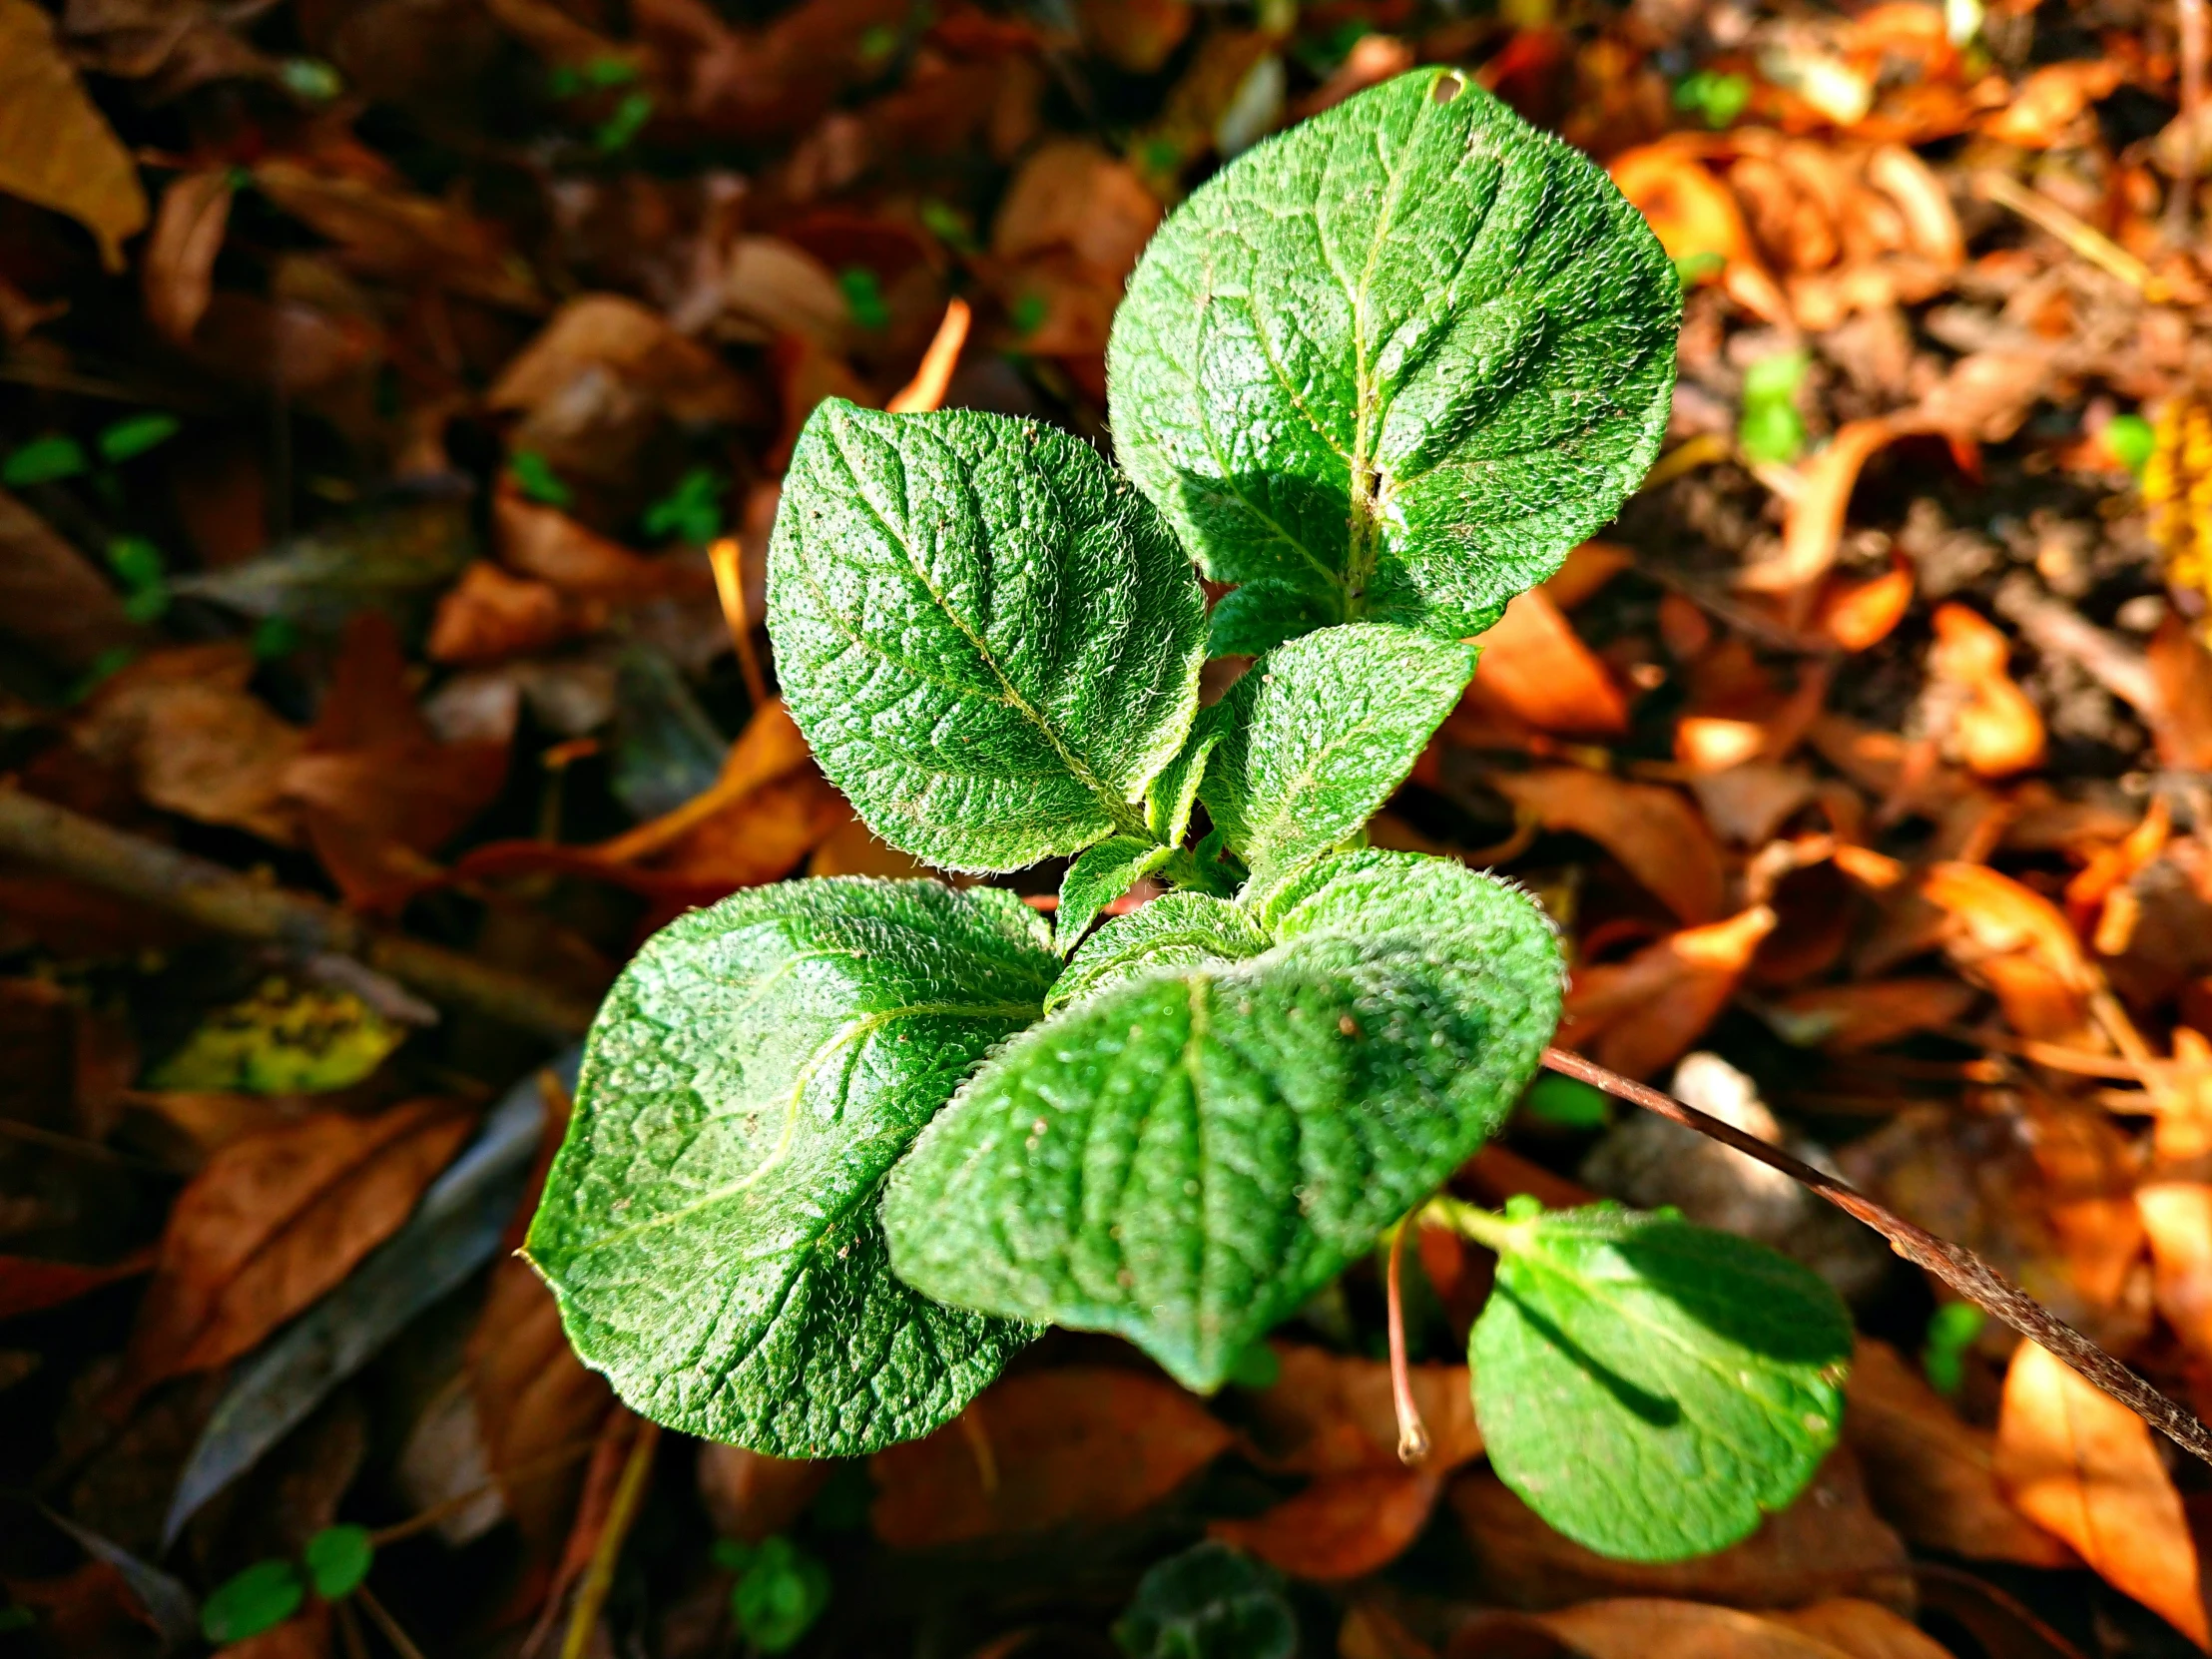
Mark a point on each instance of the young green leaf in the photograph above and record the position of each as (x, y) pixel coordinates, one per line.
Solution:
(780, 1592)
(1177, 929)
(1649, 1387)
(1316, 735)
(338, 1559)
(257, 1600)
(708, 1226)
(1168, 804)
(1393, 363)
(1184, 1158)
(1101, 874)
(990, 640)
(1210, 1602)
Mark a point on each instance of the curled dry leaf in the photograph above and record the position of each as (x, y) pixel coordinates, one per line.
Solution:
(2181, 672)
(1535, 668)
(2083, 1466)
(1657, 835)
(1044, 1450)
(616, 334)
(275, 1220)
(1693, 213)
(1860, 614)
(178, 273)
(2177, 1221)
(1995, 727)
(1932, 1476)
(1641, 1627)
(1639, 1016)
(2046, 105)
(56, 148)
(1342, 1527)
(1814, 523)
(384, 230)
(2019, 944)
(546, 544)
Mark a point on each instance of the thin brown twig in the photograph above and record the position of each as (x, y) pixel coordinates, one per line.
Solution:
(1413, 1433)
(423, 1519)
(378, 1611)
(349, 1631)
(209, 895)
(1955, 1264)
(599, 1577)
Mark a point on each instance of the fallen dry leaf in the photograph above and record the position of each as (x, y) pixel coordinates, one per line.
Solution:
(2181, 672)
(1640, 1016)
(182, 726)
(1843, 1019)
(1043, 1449)
(1861, 615)
(1932, 1476)
(1332, 1413)
(1342, 1527)
(2018, 943)
(1642, 1627)
(2083, 1466)
(1657, 835)
(1534, 667)
(1815, 522)
(56, 148)
(273, 1221)
(29, 1285)
(1828, 1544)
(1995, 727)
(546, 544)
(178, 275)
(488, 614)
(52, 599)
(533, 1400)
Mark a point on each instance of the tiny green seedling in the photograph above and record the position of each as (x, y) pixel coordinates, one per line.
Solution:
(841, 1147)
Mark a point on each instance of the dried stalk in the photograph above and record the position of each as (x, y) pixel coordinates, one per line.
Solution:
(599, 1577)
(222, 901)
(1413, 1433)
(1955, 1264)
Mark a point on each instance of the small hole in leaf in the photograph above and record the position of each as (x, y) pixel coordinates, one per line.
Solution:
(1447, 88)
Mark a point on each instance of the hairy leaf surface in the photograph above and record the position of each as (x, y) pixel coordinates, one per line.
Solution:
(1318, 734)
(710, 1224)
(1652, 1389)
(1393, 363)
(1100, 875)
(990, 640)
(1177, 929)
(1186, 1156)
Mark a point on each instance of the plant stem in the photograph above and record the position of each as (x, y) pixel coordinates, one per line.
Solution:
(1485, 1227)
(1413, 1433)
(1955, 1264)
(376, 1610)
(599, 1577)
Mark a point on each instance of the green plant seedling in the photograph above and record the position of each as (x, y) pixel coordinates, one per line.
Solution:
(257, 1600)
(338, 1558)
(1210, 1602)
(1770, 427)
(840, 1147)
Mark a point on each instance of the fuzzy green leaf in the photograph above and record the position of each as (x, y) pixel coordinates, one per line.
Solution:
(1173, 792)
(1177, 929)
(1318, 734)
(1185, 1157)
(989, 638)
(710, 1225)
(1393, 363)
(1652, 1389)
(1101, 874)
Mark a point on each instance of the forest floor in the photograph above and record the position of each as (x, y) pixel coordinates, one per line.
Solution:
(392, 398)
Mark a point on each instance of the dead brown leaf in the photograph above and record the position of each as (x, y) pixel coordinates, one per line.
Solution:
(616, 335)
(1658, 836)
(1642, 1015)
(489, 614)
(2181, 672)
(1342, 1527)
(2080, 1463)
(1641, 1627)
(181, 725)
(545, 543)
(1043, 1449)
(533, 1398)
(1332, 1413)
(56, 148)
(1934, 1476)
(1538, 670)
(178, 272)
(305, 1635)
(1843, 1019)
(1828, 1544)
(750, 1496)
(273, 1221)
(50, 598)
(2016, 943)
(386, 231)
(1815, 522)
